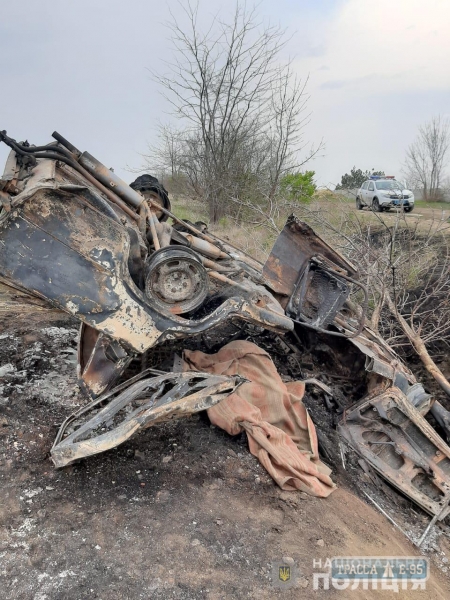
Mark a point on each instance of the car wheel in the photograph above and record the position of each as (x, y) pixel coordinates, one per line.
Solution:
(408, 208)
(359, 204)
(376, 205)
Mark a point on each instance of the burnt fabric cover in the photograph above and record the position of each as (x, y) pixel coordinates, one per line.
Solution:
(280, 431)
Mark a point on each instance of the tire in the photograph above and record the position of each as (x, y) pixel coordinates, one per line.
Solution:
(359, 204)
(376, 205)
(408, 208)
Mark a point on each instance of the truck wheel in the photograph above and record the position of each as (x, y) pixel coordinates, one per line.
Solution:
(359, 204)
(408, 208)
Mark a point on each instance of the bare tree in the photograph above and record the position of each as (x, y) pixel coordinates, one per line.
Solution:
(167, 157)
(426, 157)
(241, 112)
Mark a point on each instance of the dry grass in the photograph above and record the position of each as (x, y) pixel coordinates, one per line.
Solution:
(329, 214)
(256, 241)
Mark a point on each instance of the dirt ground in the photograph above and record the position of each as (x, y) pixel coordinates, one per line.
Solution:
(424, 213)
(180, 511)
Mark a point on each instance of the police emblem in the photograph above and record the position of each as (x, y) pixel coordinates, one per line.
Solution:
(284, 573)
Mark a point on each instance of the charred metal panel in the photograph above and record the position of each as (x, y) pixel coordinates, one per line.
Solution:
(381, 358)
(137, 405)
(60, 248)
(317, 296)
(101, 360)
(313, 278)
(33, 259)
(395, 439)
(293, 249)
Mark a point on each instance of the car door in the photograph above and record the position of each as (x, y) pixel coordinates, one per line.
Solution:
(364, 192)
(370, 193)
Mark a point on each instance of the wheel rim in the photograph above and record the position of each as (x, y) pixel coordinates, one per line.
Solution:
(176, 280)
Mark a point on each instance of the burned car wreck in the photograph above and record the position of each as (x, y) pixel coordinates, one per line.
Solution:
(139, 279)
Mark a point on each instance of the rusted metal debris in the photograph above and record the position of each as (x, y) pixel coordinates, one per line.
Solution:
(391, 434)
(137, 404)
(77, 237)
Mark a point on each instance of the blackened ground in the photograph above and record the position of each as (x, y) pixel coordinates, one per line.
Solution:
(181, 510)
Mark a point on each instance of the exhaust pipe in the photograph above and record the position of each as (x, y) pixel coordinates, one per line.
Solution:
(107, 177)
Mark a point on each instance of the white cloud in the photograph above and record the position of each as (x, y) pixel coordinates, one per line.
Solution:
(385, 44)
(383, 71)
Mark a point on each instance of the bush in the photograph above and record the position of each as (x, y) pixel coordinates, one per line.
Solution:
(298, 187)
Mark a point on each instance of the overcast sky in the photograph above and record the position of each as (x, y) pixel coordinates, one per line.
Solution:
(377, 69)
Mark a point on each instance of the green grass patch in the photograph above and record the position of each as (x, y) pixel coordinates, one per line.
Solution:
(189, 213)
(433, 205)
